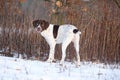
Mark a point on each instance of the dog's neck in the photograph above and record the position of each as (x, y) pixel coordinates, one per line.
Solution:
(47, 31)
(48, 27)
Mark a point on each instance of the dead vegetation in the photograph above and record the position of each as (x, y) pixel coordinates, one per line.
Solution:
(98, 20)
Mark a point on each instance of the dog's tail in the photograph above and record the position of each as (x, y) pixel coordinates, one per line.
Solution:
(76, 31)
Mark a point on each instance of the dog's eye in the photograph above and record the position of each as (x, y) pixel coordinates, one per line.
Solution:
(37, 24)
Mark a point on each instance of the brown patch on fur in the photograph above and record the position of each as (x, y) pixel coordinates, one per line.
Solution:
(44, 24)
(55, 30)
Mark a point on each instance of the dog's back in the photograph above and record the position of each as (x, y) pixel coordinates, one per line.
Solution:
(66, 31)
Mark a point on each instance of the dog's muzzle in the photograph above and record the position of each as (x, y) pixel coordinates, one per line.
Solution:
(39, 29)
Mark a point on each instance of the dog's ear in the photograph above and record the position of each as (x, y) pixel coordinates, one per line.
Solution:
(44, 24)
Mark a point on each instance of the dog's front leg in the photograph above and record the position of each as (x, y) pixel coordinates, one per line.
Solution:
(51, 53)
(50, 40)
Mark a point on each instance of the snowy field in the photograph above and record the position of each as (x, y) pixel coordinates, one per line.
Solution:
(19, 69)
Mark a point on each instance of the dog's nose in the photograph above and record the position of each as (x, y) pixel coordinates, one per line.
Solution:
(38, 29)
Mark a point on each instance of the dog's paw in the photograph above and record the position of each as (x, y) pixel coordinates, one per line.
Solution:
(78, 65)
(49, 61)
(61, 63)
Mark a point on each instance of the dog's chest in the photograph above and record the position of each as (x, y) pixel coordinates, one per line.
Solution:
(48, 32)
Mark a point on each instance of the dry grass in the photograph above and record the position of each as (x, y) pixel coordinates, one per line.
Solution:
(99, 22)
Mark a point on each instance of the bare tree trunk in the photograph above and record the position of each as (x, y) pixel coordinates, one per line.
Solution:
(117, 2)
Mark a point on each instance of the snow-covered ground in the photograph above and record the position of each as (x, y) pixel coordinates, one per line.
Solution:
(20, 69)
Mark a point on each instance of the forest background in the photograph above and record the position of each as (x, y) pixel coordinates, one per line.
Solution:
(98, 20)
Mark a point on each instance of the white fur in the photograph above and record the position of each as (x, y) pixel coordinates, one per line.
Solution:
(65, 37)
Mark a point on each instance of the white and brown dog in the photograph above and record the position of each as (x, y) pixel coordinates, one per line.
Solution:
(55, 34)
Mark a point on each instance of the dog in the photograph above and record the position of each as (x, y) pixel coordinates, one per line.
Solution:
(58, 34)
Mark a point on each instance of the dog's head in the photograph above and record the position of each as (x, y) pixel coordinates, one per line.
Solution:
(40, 25)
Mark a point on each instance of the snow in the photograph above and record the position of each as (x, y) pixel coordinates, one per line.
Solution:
(21, 69)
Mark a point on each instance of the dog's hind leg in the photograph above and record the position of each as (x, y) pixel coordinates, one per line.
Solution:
(64, 47)
(76, 45)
